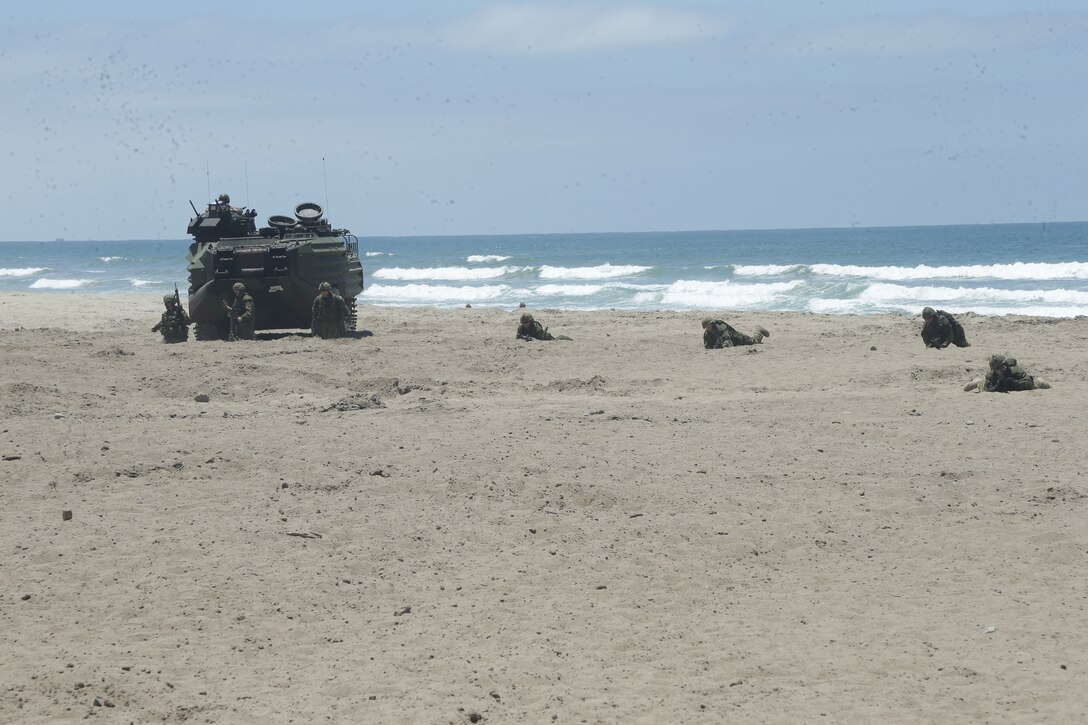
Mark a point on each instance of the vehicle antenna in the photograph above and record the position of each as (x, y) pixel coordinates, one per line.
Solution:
(208, 175)
(245, 166)
(326, 178)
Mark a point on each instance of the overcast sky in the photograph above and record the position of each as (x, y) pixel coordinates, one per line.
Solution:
(493, 117)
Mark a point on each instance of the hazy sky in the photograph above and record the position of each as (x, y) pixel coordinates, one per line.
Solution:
(494, 117)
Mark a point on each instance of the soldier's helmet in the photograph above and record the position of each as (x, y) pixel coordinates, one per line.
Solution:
(324, 286)
(927, 312)
(706, 321)
(168, 299)
(526, 317)
(224, 198)
(238, 287)
(997, 361)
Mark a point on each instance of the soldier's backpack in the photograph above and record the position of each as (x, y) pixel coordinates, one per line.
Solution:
(959, 337)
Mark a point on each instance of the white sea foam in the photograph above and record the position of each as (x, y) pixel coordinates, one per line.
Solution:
(729, 295)
(427, 294)
(473, 258)
(765, 270)
(1016, 270)
(143, 282)
(449, 274)
(22, 271)
(883, 292)
(862, 307)
(110, 259)
(375, 254)
(601, 271)
(1031, 311)
(59, 283)
(569, 290)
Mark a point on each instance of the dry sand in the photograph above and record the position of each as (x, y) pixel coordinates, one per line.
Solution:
(438, 523)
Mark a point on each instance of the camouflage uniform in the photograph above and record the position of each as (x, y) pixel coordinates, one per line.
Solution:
(719, 333)
(330, 313)
(242, 314)
(530, 329)
(174, 324)
(940, 329)
(1006, 376)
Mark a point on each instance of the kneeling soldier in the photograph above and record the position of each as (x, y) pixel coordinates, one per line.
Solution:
(174, 324)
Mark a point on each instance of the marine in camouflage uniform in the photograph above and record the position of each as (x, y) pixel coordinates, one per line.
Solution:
(330, 313)
(530, 329)
(719, 333)
(242, 314)
(1006, 376)
(940, 329)
(174, 324)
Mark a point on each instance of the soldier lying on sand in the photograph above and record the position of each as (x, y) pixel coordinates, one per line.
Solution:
(719, 333)
(530, 329)
(1005, 376)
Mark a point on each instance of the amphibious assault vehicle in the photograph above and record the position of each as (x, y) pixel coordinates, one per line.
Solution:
(281, 266)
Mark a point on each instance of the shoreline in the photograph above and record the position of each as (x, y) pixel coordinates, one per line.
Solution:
(117, 310)
(439, 520)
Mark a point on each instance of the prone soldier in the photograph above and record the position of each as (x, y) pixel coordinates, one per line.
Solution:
(1005, 376)
(530, 329)
(719, 333)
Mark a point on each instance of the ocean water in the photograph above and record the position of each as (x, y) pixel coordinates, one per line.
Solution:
(1036, 269)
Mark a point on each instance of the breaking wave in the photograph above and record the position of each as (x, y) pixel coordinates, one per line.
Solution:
(430, 294)
(883, 292)
(718, 295)
(22, 271)
(601, 271)
(450, 274)
(1014, 271)
(569, 290)
(767, 270)
(59, 283)
(474, 258)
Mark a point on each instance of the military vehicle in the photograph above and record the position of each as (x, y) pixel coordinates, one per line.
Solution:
(281, 266)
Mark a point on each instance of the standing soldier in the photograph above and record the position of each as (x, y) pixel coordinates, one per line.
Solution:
(719, 333)
(174, 324)
(330, 313)
(241, 314)
(940, 329)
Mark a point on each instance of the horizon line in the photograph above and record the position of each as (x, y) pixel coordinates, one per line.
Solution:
(552, 234)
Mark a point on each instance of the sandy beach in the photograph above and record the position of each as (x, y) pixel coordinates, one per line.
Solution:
(437, 523)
